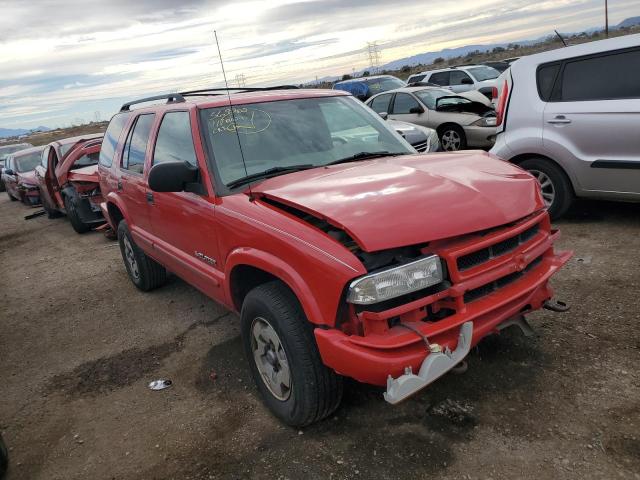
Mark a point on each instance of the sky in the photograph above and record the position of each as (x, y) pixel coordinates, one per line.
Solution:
(68, 62)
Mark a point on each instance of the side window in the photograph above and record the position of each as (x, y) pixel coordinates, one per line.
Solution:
(606, 77)
(175, 142)
(111, 138)
(440, 78)
(404, 103)
(381, 104)
(416, 78)
(546, 78)
(457, 77)
(136, 144)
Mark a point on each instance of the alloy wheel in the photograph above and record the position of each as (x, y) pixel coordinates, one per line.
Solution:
(270, 358)
(546, 185)
(130, 258)
(451, 141)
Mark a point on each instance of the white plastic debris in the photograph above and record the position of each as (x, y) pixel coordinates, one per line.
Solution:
(160, 384)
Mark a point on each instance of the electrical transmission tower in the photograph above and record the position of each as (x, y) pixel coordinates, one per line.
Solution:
(373, 52)
(241, 80)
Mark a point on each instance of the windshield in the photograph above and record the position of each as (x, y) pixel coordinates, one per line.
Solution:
(382, 84)
(26, 163)
(87, 160)
(483, 73)
(431, 95)
(9, 149)
(310, 132)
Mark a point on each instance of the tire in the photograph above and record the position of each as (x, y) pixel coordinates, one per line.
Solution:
(315, 391)
(556, 188)
(72, 214)
(452, 138)
(145, 273)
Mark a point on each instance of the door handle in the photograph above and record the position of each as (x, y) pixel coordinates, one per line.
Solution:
(119, 185)
(559, 119)
(149, 197)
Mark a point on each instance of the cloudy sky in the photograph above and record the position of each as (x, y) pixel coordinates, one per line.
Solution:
(68, 61)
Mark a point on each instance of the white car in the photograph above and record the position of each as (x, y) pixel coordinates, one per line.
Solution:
(461, 79)
(571, 117)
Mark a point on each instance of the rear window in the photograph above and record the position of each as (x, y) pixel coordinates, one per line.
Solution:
(546, 79)
(111, 137)
(615, 75)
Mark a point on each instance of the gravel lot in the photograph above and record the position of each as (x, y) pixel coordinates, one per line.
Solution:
(78, 345)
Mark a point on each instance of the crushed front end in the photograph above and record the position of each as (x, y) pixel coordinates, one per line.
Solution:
(489, 278)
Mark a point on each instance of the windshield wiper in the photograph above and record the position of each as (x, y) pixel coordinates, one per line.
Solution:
(270, 172)
(364, 156)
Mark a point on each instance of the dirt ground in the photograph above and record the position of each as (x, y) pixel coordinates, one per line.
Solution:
(78, 345)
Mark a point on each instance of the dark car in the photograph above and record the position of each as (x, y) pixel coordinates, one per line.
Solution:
(7, 150)
(68, 180)
(19, 178)
(365, 87)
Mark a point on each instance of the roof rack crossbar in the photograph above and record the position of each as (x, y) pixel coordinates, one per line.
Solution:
(169, 97)
(206, 91)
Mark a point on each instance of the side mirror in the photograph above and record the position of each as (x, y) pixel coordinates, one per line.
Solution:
(8, 171)
(417, 110)
(466, 81)
(173, 177)
(383, 115)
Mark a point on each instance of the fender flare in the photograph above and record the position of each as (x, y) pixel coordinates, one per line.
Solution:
(115, 200)
(278, 268)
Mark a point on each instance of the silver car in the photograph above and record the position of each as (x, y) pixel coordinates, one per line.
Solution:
(571, 118)
(461, 120)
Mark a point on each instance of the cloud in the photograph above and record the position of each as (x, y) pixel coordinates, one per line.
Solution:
(61, 60)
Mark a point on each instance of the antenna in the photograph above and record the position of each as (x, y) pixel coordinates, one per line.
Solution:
(233, 116)
(560, 36)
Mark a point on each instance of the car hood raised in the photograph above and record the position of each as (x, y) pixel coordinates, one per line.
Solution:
(398, 201)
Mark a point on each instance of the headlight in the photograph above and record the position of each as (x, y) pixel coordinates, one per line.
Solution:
(485, 122)
(396, 281)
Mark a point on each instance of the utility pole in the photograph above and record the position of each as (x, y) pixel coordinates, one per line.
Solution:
(606, 18)
(241, 80)
(374, 55)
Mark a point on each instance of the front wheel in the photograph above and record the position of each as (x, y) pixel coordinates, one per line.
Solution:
(284, 359)
(452, 138)
(74, 217)
(554, 184)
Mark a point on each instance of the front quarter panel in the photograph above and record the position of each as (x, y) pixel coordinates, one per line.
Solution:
(316, 267)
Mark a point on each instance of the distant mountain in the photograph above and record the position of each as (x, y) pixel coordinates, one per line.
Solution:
(628, 22)
(15, 132)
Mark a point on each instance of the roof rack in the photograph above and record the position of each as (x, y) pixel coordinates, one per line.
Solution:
(169, 97)
(220, 91)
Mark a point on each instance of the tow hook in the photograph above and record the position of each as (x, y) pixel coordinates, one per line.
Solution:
(556, 306)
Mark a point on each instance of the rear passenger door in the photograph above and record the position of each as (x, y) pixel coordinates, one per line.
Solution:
(184, 222)
(592, 121)
(460, 81)
(131, 182)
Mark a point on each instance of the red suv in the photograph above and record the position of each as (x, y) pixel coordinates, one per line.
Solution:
(345, 252)
(68, 180)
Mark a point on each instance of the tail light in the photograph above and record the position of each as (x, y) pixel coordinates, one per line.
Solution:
(494, 92)
(502, 103)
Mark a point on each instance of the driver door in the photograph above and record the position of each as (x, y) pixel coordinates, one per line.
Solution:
(406, 108)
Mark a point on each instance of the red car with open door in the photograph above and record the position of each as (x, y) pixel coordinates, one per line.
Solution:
(68, 179)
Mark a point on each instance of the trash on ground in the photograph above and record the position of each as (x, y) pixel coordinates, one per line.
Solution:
(160, 384)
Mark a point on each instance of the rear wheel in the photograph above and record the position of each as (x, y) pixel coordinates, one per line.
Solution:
(452, 138)
(284, 359)
(144, 272)
(72, 213)
(554, 184)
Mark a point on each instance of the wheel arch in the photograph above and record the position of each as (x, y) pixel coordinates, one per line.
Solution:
(518, 159)
(248, 268)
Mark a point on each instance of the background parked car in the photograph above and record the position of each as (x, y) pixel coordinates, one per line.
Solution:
(19, 176)
(500, 66)
(5, 151)
(461, 79)
(571, 116)
(365, 87)
(423, 139)
(460, 121)
(69, 181)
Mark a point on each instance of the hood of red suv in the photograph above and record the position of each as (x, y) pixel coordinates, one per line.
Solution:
(398, 201)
